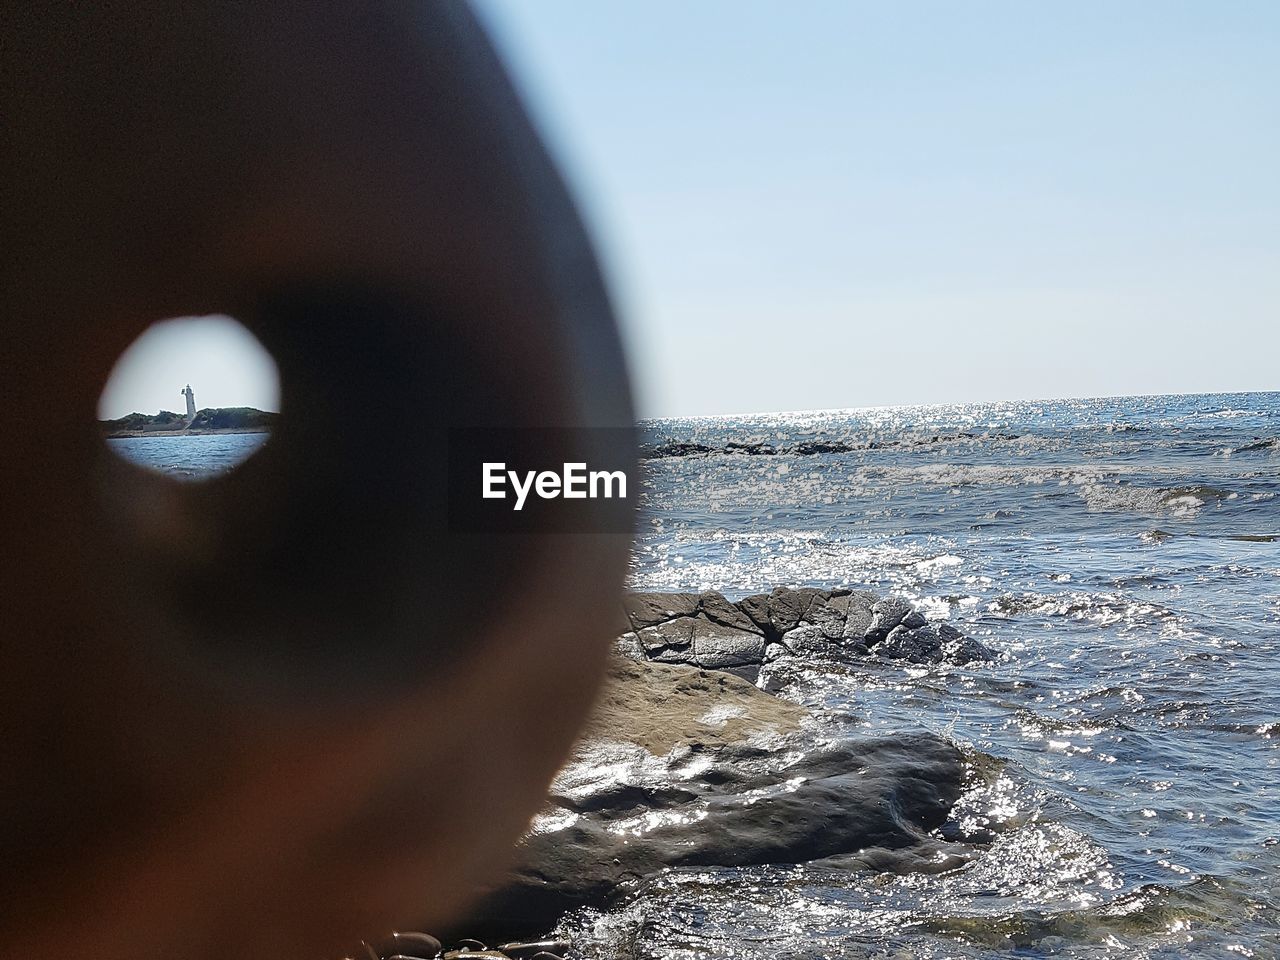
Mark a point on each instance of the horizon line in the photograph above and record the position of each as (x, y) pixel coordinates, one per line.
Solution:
(952, 403)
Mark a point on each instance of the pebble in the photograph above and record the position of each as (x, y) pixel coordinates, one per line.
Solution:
(541, 949)
(423, 946)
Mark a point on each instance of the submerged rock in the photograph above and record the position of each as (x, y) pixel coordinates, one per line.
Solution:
(684, 767)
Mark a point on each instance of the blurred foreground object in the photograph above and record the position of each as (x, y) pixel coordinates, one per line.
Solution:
(255, 717)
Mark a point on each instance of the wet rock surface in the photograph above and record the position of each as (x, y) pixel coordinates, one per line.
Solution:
(706, 630)
(689, 763)
(683, 767)
(423, 946)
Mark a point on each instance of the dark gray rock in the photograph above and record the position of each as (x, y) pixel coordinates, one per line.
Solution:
(647, 609)
(669, 633)
(948, 632)
(839, 603)
(709, 631)
(914, 620)
(967, 650)
(922, 645)
(704, 643)
(675, 448)
(829, 617)
(716, 647)
(885, 615)
(716, 608)
(808, 640)
(929, 644)
(858, 616)
(962, 650)
(791, 804)
(788, 608)
(756, 607)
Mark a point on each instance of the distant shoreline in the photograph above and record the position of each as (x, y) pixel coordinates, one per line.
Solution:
(209, 421)
(195, 432)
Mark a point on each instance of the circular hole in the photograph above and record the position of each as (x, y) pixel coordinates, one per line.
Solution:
(191, 398)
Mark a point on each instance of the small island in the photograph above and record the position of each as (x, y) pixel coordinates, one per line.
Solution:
(166, 423)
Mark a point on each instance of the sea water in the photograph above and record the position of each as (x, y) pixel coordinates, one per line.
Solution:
(1124, 557)
(190, 456)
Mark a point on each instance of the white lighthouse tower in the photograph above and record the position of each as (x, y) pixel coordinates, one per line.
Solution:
(191, 402)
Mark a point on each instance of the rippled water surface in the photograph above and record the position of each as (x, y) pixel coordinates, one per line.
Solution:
(191, 457)
(1123, 554)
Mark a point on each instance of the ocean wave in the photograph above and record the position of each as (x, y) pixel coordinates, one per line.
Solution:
(1158, 500)
(1040, 887)
(1272, 443)
(739, 563)
(867, 483)
(1158, 536)
(1104, 609)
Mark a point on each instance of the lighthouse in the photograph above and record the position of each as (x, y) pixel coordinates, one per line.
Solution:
(191, 402)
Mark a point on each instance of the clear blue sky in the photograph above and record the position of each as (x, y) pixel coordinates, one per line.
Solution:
(833, 203)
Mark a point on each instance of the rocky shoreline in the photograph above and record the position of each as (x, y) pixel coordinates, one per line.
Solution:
(706, 630)
(809, 448)
(690, 761)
